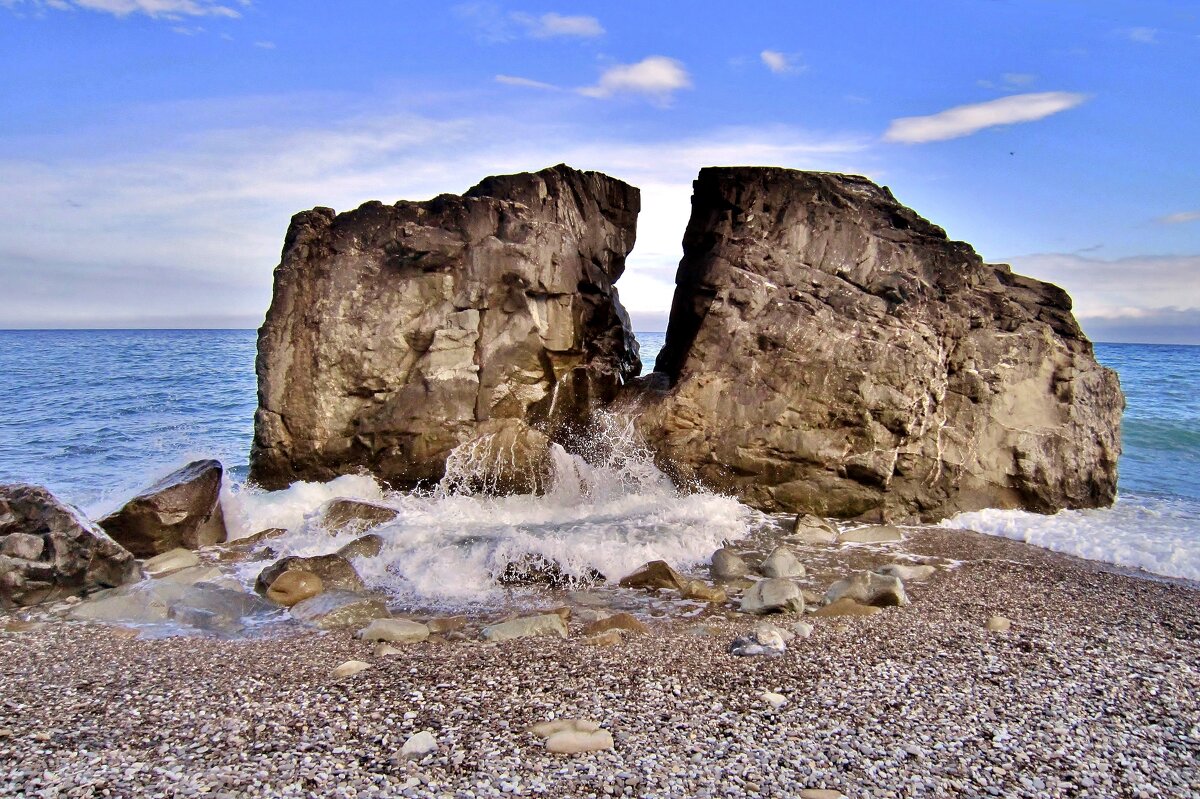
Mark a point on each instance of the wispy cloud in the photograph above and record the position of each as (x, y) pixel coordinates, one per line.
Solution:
(1142, 35)
(159, 9)
(528, 83)
(194, 229)
(1010, 81)
(964, 120)
(1179, 219)
(552, 25)
(781, 63)
(265, 45)
(493, 24)
(656, 76)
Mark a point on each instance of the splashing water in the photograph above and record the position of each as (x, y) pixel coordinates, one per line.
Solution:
(609, 510)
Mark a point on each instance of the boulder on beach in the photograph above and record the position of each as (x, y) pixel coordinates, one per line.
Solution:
(335, 571)
(181, 510)
(396, 332)
(765, 639)
(394, 631)
(831, 352)
(49, 550)
(657, 574)
(528, 627)
(868, 588)
(340, 609)
(293, 586)
(728, 564)
(773, 595)
(782, 562)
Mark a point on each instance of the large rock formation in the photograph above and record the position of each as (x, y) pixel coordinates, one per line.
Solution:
(182, 510)
(398, 332)
(831, 351)
(48, 550)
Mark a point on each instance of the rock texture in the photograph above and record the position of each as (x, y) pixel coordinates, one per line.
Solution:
(398, 332)
(181, 510)
(48, 550)
(831, 351)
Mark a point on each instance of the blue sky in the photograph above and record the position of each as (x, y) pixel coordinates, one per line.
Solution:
(152, 151)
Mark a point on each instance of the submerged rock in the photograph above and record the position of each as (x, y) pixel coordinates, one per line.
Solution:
(773, 595)
(334, 570)
(338, 609)
(539, 570)
(528, 627)
(49, 550)
(342, 514)
(396, 332)
(366, 546)
(182, 510)
(829, 351)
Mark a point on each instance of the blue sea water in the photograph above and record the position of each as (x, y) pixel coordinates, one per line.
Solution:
(97, 414)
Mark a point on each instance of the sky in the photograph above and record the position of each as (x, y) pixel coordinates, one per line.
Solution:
(153, 151)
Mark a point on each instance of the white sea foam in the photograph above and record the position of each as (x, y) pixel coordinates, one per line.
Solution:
(610, 511)
(1141, 532)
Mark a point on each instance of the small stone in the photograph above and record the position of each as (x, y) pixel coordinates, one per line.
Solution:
(875, 534)
(383, 649)
(727, 564)
(765, 639)
(419, 745)
(802, 629)
(703, 592)
(847, 607)
(773, 699)
(782, 563)
(654, 575)
(350, 668)
(999, 624)
(821, 793)
(528, 627)
(544, 729)
(573, 742)
(618, 621)
(169, 561)
(292, 587)
(396, 631)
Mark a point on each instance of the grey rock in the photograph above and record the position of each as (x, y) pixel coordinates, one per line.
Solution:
(181, 510)
(782, 562)
(810, 529)
(765, 639)
(529, 627)
(394, 631)
(773, 595)
(906, 572)
(831, 352)
(171, 560)
(874, 534)
(728, 565)
(366, 546)
(868, 588)
(397, 333)
(51, 551)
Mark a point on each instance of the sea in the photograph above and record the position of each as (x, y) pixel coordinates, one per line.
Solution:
(97, 415)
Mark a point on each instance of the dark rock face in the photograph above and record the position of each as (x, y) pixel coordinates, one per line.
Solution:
(396, 331)
(831, 351)
(181, 510)
(48, 550)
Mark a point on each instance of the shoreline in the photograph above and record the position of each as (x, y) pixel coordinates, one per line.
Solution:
(1094, 692)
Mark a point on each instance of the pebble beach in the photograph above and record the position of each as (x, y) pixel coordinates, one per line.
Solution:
(1093, 692)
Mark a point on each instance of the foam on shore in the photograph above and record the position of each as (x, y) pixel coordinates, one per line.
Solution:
(1139, 532)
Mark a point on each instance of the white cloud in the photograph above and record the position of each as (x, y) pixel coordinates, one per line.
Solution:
(1179, 218)
(780, 63)
(1120, 288)
(656, 76)
(529, 83)
(265, 45)
(552, 25)
(159, 9)
(1143, 35)
(964, 120)
(193, 230)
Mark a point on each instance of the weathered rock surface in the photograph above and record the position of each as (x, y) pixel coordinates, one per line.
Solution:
(181, 510)
(365, 546)
(48, 550)
(336, 609)
(171, 560)
(294, 586)
(528, 627)
(618, 621)
(654, 575)
(396, 631)
(869, 588)
(334, 570)
(831, 351)
(782, 562)
(342, 514)
(398, 332)
(728, 565)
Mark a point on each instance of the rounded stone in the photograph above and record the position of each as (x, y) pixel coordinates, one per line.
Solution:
(292, 587)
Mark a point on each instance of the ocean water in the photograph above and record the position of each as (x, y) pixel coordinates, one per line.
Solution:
(97, 415)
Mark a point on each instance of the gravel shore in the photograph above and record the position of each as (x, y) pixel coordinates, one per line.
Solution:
(1095, 692)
